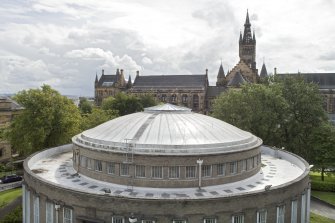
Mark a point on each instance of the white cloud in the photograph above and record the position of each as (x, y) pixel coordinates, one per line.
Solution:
(64, 42)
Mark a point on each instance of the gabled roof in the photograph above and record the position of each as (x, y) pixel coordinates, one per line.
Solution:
(324, 80)
(171, 81)
(9, 104)
(237, 80)
(106, 79)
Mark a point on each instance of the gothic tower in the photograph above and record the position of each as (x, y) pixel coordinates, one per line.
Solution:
(247, 45)
(221, 78)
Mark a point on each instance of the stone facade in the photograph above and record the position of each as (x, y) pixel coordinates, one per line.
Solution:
(8, 110)
(109, 85)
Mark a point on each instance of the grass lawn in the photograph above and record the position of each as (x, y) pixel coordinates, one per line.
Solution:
(316, 176)
(320, 219)
(9, 195)
(326, 196)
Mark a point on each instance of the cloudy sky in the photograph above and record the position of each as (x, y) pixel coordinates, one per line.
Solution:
(64, 43)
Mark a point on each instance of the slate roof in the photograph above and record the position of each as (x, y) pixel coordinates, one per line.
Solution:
(106, 78)
(324, 80)
(214, 91)
(171, 81)
(237, 80)
(13, 104)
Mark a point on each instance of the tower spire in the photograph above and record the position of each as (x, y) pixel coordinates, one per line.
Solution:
(247, 21)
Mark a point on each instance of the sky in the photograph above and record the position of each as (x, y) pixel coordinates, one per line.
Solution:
(65, 43)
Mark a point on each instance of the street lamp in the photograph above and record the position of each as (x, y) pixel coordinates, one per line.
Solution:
(199, 162)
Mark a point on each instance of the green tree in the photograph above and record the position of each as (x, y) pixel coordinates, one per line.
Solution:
(49, 119)
(124, 104)
(85, 106)
(305, 113)
(255, 108)
(148, 100)
(282, 111)
(323, 143)
(97, 117)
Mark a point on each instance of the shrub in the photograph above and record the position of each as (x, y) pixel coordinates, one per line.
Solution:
(323, 186)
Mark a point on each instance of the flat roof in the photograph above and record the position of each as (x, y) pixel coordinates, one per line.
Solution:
(55, 166)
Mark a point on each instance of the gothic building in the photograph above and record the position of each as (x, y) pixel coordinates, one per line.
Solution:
(109, 85)
(246, 67)
(192, 91)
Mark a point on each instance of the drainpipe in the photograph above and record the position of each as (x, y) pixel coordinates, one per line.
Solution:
(199, 162)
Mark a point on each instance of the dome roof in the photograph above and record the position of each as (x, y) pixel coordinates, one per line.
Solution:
(167, 129)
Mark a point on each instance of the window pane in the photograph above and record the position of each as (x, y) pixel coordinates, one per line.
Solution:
(190, 171)
(261, 216)
(294, 212)
(221, 169)
(111, 168)
(124, 171)
(117, 219)
(179, 221)
(238, 219)
(36, 209)
(157, 172)
(303, 208)
(233, 167)
(206, 170)
(49, 212)
(67, 218)
(98, 165)
(280, 214)
(209, 220)
(140, 171)
(174, 172)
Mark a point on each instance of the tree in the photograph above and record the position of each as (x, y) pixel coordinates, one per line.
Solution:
(323, 143)
(97, 117)
(85, 106)
(49, 119)
(283, 112)
(148, 100)
(124, 104)
(255, 108)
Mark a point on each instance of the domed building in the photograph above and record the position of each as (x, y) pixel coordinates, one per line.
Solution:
(165, 165)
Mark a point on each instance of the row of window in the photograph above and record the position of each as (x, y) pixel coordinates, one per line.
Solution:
(174, 172)
(67, 213)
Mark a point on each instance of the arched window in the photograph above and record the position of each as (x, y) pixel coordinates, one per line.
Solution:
(184, 98)
(174, 98)
(163, 97)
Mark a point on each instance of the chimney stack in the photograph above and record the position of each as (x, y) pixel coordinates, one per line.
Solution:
(103, 72)
(275, 70)
(137, 73)
(206, 71)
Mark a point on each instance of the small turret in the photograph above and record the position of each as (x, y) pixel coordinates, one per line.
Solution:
(96, 79)
(129, 83)
(264, 72)
(221, 78)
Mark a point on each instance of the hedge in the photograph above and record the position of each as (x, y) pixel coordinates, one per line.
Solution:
(323, 186)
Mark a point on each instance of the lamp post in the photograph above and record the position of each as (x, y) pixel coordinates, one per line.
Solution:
(199, 162)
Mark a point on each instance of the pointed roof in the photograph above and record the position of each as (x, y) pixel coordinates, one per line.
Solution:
(247, 21)
(264, 72)
(96, 78)
(117, 74)
(221, 72)
(237, 80)
(129, 79)
(247, 36)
